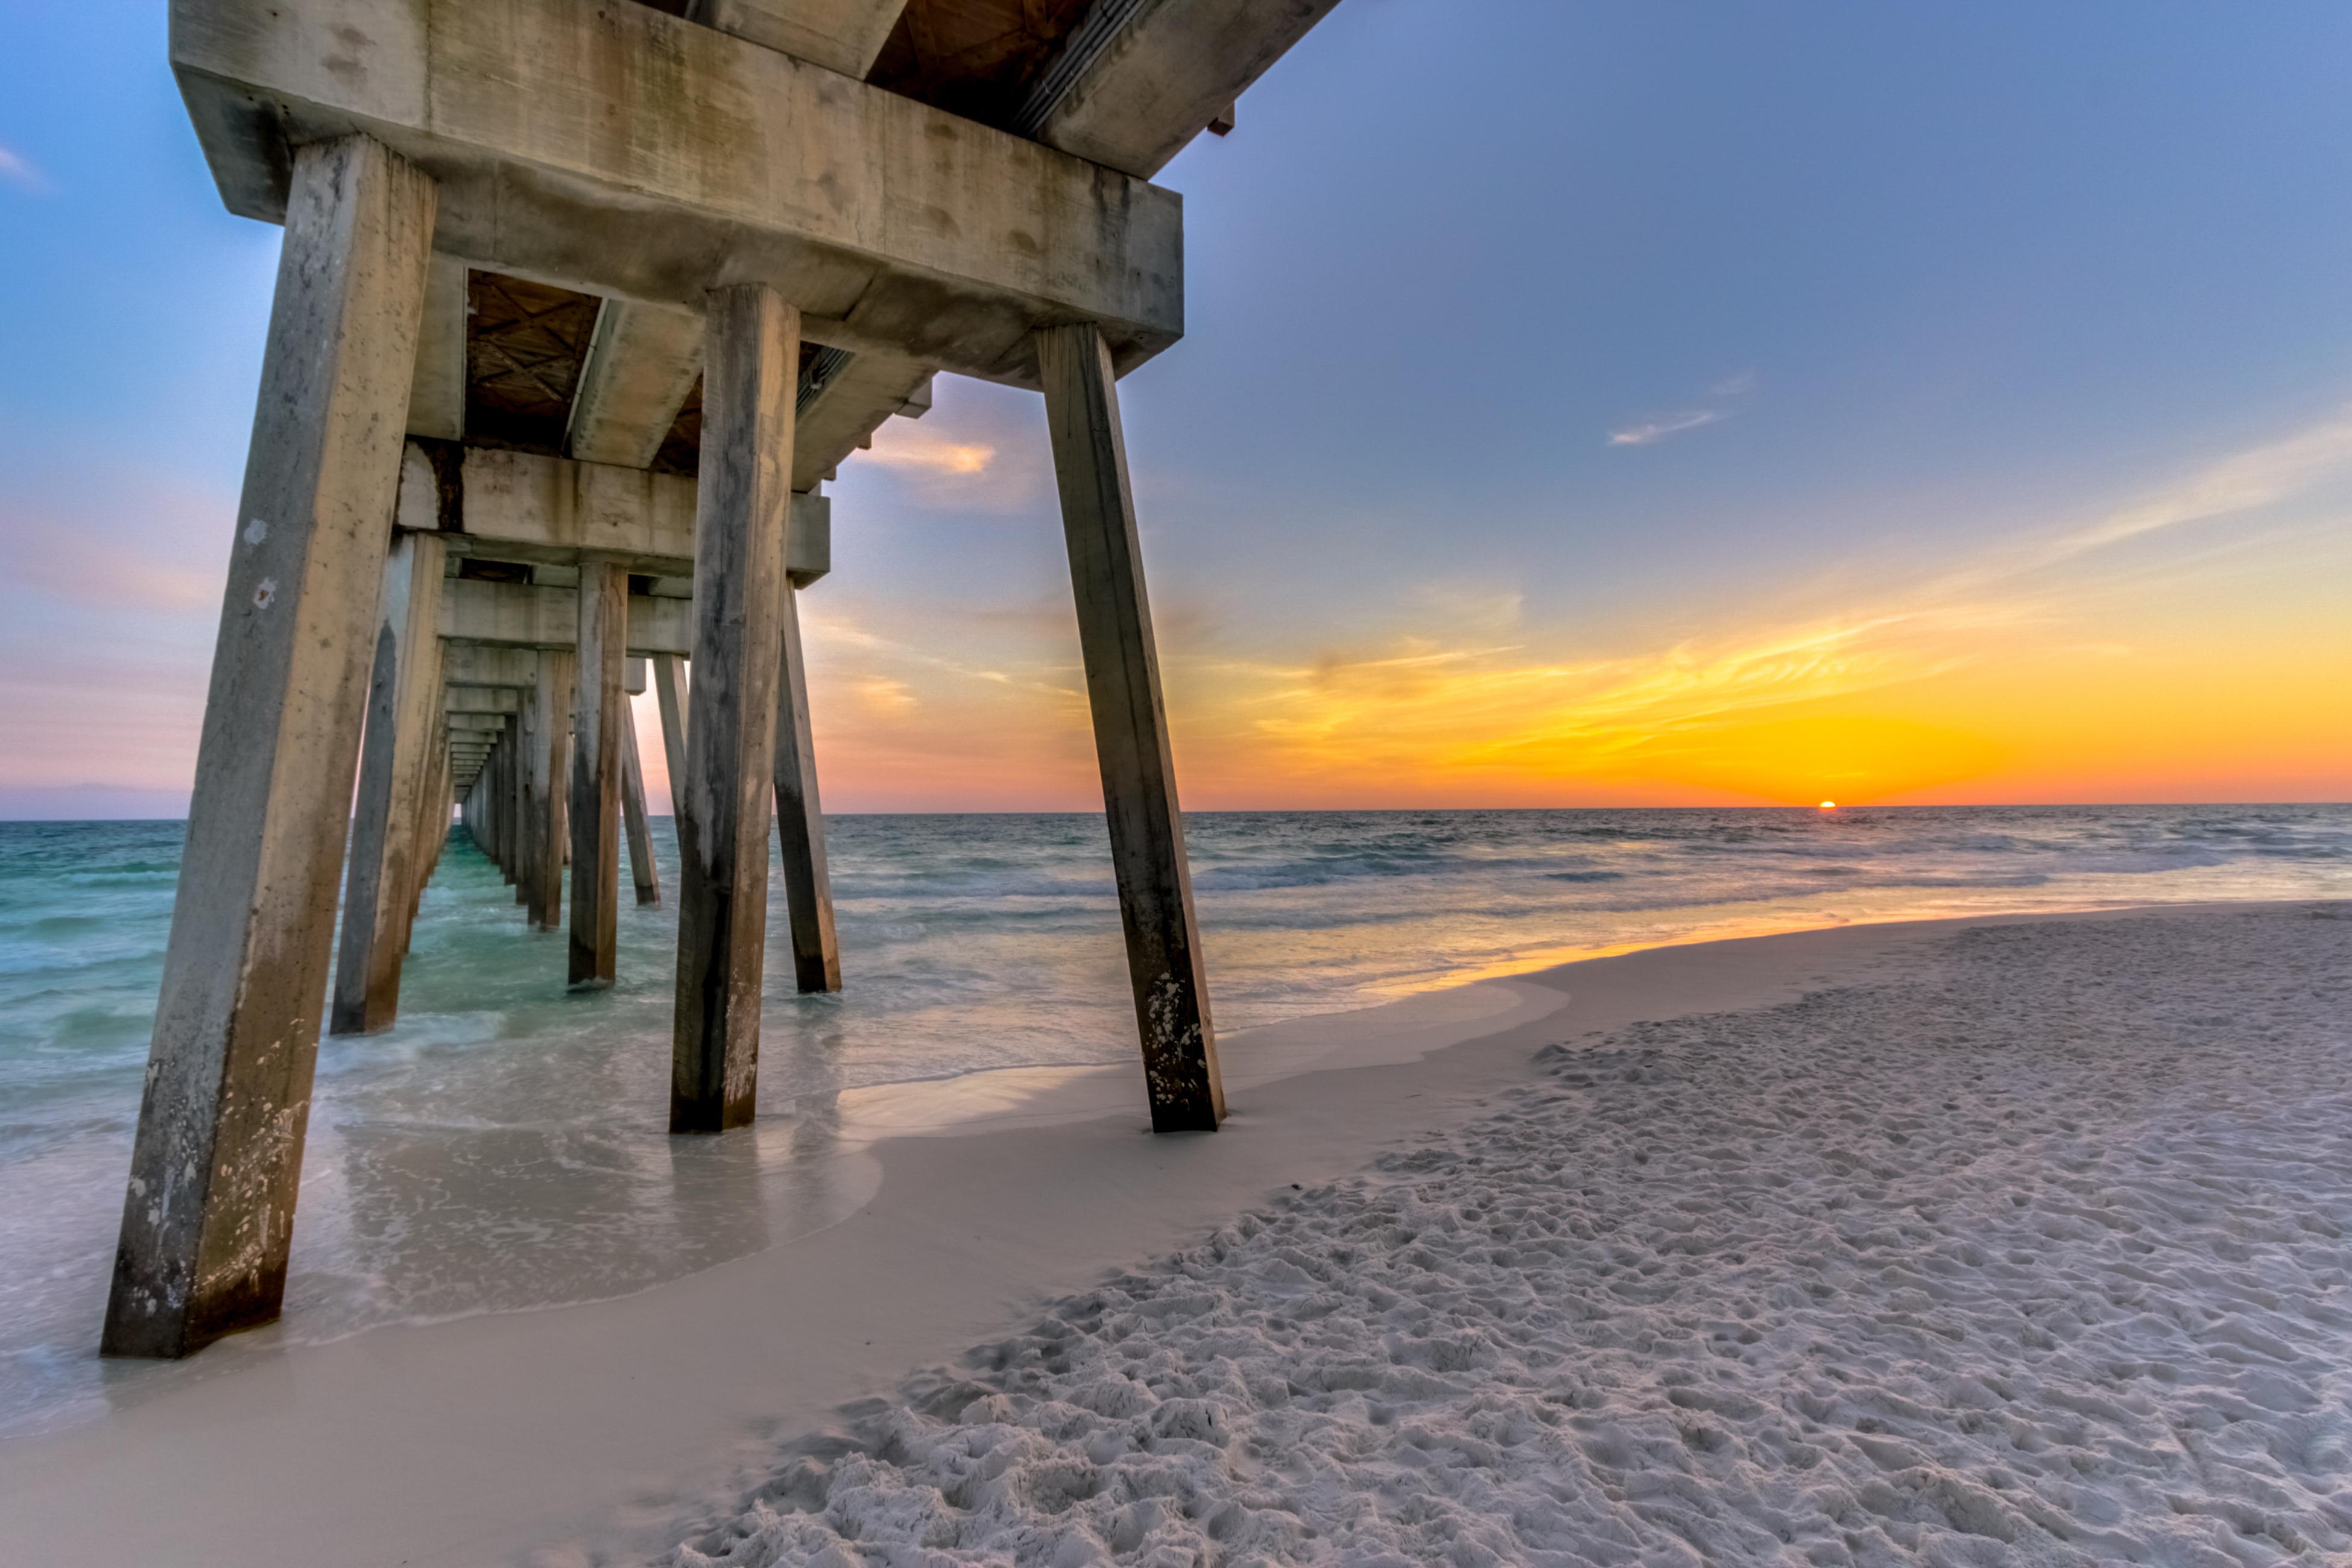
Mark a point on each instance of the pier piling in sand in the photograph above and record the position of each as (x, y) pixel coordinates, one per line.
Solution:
(1139, 773)
(597, 736)
(800, 819)
(209, 1217)
(577, 337)
(752, 338)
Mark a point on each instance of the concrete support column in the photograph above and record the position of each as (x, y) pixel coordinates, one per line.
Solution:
(598, 735)
(432, 809)
(397, 757)
(751, 366)
(1147, 828)
(208, 1216)
(550, 788)
(516, 835)
(673, 718)
(800, 819)
(644, 870)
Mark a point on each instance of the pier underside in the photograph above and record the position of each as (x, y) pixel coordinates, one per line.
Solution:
(580, 304)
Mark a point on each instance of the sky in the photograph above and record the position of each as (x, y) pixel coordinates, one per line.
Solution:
(1618, 402)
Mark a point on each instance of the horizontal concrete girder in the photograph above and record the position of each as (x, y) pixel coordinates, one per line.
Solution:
(840, 35)
(642, 363)
(524, 614)
(620, 149)
(1142, 78)
(843, 415)
(464, 665)
(481, 699)
(523, 507)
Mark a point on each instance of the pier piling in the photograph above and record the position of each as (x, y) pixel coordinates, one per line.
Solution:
(751, 350)
(208, 1216)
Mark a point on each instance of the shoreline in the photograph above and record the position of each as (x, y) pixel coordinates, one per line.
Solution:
(617, 1424)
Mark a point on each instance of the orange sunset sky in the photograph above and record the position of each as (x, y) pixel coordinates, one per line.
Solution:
(1680, 406)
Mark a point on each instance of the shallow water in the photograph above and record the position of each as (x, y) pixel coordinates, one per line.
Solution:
(504, 1146)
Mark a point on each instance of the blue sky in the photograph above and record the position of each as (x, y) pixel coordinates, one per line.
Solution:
(1549, 350)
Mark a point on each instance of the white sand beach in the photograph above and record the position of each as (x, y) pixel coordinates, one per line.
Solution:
(1988, 1241)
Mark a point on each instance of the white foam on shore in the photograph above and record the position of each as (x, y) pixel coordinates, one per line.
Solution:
(2032, 1251)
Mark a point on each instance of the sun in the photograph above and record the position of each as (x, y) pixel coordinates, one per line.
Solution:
(1829, 805)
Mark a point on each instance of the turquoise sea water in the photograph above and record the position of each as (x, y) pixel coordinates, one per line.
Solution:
(504, 1146)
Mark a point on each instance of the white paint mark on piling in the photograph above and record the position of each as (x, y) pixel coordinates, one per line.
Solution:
(256, 531)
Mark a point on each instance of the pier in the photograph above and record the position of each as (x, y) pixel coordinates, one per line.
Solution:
(580, 304)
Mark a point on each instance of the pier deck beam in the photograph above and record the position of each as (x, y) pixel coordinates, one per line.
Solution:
(1147, 828)
(389, 852)
(597, 737)
(800, 819)
(209, 1217)
(751, 359)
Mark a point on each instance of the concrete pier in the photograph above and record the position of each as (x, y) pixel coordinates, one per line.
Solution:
(751, 347)
(208, 1216)
(389, 846)
(672, 702)
(1147, 828)
(590, 427)
(800, 818)
(644, 869)
(549, 788)
(599, 733)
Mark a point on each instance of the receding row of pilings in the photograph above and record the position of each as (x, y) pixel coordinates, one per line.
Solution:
(318, 616)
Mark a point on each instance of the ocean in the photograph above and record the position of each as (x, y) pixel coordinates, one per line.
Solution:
(504, 1147)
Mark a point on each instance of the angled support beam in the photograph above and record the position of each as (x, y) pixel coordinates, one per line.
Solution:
(799, 820)
(395, 759)
(1139, 773)
(644, 871)
(598, 736)
(751, 361)
(672, 702)
(209, 1217)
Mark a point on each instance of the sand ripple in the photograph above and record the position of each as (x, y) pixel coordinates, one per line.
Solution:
(2036, 1255)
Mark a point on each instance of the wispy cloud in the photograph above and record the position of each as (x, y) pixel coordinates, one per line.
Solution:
(1649, 432)
(881, 694)
(1720, 397)
(898, 444)
(16, 169)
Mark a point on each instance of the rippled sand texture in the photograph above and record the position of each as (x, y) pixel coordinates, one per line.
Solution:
(2037, 1257)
